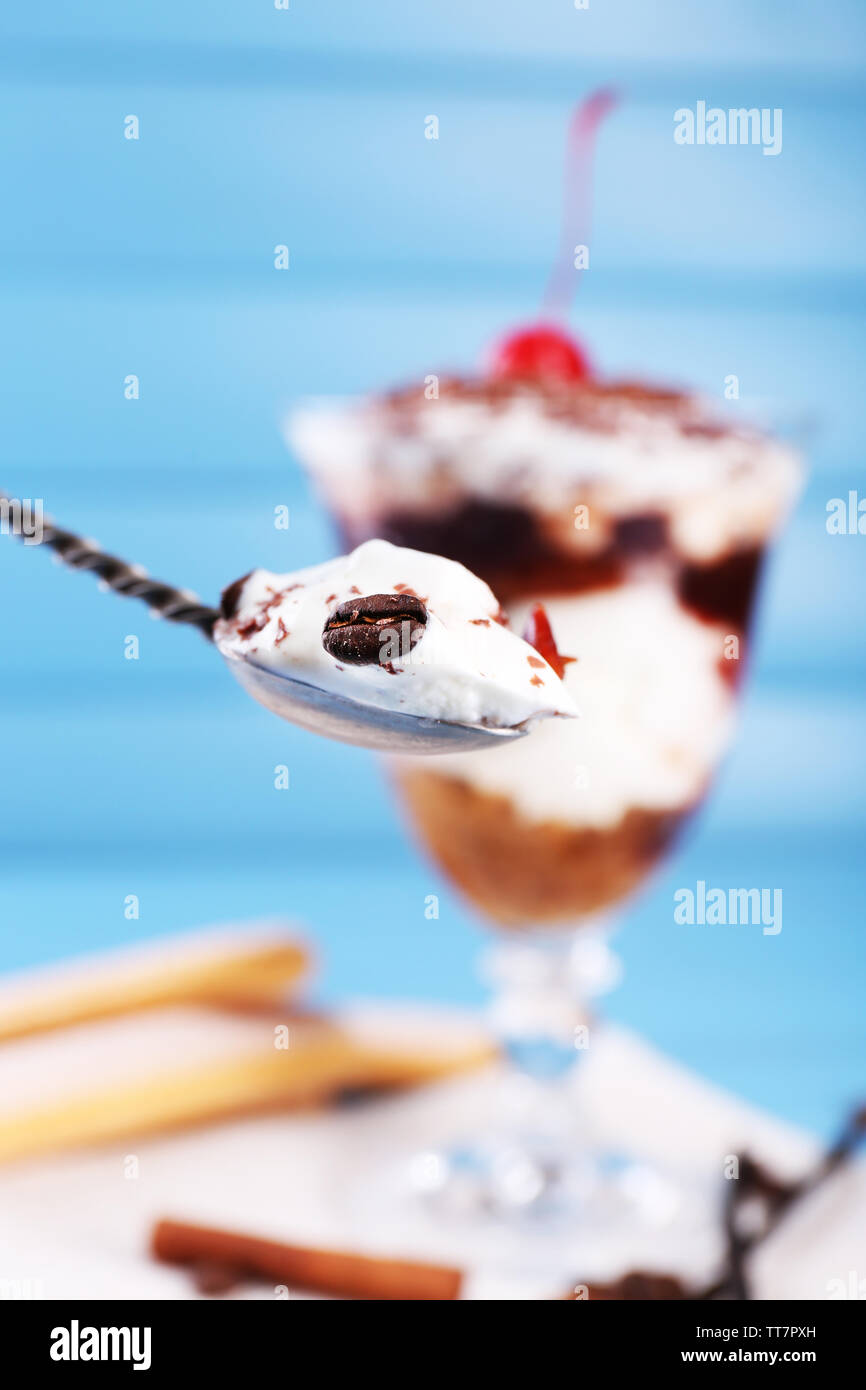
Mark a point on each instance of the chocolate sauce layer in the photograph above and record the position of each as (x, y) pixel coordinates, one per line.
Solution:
(725, 590)
(505, 545)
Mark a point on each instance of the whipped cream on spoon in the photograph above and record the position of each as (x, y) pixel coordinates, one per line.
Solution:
(414, 640)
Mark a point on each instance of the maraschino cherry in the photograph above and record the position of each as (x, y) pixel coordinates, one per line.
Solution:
(544, 350)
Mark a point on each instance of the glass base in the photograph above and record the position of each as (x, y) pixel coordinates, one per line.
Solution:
(529, 1184)
(525, 1224)
(520, 1187)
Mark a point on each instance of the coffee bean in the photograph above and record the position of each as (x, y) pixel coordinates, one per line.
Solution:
(357, 630)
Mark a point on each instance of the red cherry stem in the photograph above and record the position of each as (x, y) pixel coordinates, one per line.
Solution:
(576, 199)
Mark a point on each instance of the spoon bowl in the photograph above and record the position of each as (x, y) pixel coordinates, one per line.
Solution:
(351, 721)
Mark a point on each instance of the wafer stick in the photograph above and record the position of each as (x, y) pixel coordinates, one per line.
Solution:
(237, 967)
(336, 1272)
(237, 1070)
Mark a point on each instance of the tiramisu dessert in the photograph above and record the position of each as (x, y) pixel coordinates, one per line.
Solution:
(556, 483)
(396, 629)
(640, 518)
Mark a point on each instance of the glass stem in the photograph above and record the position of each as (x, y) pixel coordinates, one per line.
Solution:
(545, 984)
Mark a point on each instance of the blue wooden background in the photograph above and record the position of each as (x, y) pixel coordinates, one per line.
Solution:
(155, 257)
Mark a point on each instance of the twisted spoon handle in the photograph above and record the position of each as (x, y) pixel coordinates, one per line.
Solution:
(177, 605)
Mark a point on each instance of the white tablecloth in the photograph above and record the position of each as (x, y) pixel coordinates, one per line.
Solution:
(77, 1225)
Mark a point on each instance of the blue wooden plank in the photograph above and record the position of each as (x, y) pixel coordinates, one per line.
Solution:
(218, 371)
(346, 181)
(774, 33)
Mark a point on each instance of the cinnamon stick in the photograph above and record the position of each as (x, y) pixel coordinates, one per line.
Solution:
(341, 1273)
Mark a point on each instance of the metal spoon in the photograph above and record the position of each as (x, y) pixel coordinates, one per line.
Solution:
(300, 703)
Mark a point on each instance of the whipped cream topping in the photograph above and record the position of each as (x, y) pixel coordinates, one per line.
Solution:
(656, 714)
(461, 665)
(620, 455)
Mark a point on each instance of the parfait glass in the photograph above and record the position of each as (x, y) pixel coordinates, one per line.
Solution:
(641, 523)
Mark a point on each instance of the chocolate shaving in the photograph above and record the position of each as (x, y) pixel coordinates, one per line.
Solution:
(755, 1185)
(638, 1284)
(601, 406)
(230, 597)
